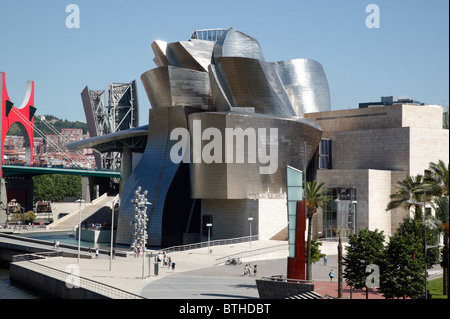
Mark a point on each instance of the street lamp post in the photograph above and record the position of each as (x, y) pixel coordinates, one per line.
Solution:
(425, 238)
(79, 229)
(209, 225)
(354, 202)
(113, 202)
(250, 221)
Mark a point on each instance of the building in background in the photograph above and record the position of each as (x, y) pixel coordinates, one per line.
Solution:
(368, 150)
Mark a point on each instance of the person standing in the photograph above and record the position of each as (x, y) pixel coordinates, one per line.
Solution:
(331, 274)
(96, 253)
(325, 260)
(255, 270)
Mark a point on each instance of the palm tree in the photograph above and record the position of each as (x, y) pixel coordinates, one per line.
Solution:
(436, 182)
(409, 190)
(441, 207)
(316, 197)
(436, 178)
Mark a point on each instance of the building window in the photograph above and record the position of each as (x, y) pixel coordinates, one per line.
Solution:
(325, 154)
(341, 213)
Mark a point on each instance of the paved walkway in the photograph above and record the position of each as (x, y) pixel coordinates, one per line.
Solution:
(196, 275)
(197, 265)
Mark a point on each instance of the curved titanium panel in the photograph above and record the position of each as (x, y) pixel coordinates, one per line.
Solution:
(234, 43)
(239, 180)
(172, 86)
(254, 83)
(163, 56)
(154, 173)
(306, 85)
(221, 102)
(193, 54)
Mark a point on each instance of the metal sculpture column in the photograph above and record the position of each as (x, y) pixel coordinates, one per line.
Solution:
(140, 224)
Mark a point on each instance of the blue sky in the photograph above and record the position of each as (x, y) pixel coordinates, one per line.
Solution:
(408, 55)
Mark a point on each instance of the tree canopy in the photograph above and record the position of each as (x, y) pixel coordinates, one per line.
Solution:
(364, 249)
(56, 187)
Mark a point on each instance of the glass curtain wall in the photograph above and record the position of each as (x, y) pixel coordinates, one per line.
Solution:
(341, 212)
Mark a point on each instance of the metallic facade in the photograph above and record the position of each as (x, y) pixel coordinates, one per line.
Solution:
(217, 82)
(169, 86)
(155, 173)
(238, 180)
(306, 85)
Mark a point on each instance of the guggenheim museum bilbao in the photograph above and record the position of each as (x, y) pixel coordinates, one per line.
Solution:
(225, 124)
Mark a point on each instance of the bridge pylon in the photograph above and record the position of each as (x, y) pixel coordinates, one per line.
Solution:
(23, 115)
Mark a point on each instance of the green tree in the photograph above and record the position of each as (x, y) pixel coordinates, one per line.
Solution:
(56, 187)
(402, 272)
(436, 179)
(408, 189)
(316, 197)
(316, 254)
(441, 206)
(364, 249)
(436, 183)
(403, 265)
(29, 216)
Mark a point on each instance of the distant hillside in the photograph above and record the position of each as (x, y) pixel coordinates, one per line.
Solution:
(58, 124)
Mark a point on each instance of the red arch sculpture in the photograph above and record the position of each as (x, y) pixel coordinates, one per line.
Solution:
(24, 114)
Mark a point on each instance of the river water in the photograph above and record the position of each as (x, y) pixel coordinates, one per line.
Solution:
(8, 290)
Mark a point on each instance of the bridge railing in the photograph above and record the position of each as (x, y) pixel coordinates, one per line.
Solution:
(285, 279)
(251, 253)
(217, 242)
(34, 256)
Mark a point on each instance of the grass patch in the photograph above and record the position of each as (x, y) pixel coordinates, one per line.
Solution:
(436, 289)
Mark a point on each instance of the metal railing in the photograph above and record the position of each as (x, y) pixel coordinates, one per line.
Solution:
(284, 279)
(33, 256)
(211, 243)
(333, 239)
(73, 280)
(251, 253)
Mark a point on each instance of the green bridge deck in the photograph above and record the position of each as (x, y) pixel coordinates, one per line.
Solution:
(18, 170)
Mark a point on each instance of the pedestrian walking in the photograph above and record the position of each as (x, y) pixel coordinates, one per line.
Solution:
(96, 253)
(325, 260)
(173, 266)
(331, 274)
(255, 270)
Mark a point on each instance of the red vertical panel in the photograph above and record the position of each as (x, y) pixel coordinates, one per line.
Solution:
(296, 265)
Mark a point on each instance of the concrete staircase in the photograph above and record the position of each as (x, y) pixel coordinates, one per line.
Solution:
(71, 221)
(281, 235)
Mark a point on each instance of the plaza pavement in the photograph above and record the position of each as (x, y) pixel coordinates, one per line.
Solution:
(196, 275)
